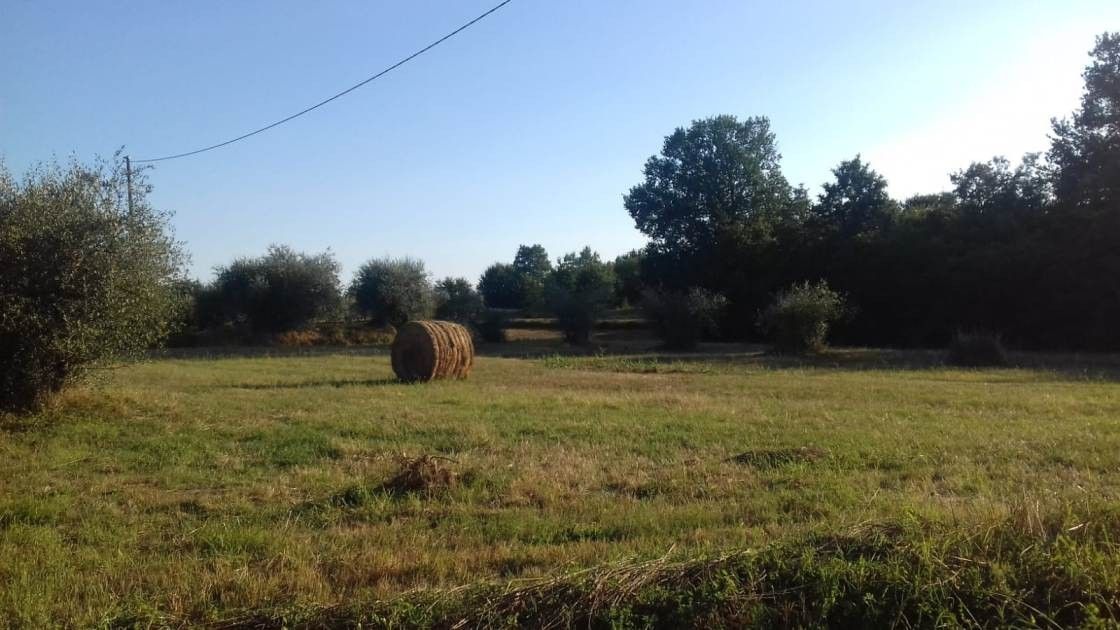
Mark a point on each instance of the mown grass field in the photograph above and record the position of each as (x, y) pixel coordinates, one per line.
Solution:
(250, 491)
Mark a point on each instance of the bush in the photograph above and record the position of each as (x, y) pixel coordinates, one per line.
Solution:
(392, 291)
(579, 289)
(977, 350)
(456, 300)
(82, 279)
(628, 278)
(280, 291)
(492, 327)
(501, 286)
(576, 315)
(799, 318)
(681, 318)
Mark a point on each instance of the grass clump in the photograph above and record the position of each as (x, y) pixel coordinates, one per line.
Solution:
(977, 350)
(424, 475)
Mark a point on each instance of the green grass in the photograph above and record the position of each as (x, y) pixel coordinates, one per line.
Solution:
(731, 488)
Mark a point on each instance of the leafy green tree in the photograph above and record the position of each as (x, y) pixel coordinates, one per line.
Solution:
(579, 289)
(392, 291)
(1085, 151)
(717, 173)
(456, 300)
(856, 201)
(628, 284)
(532, 260)
(83, 278)
(280, 291)
(533, 266)
(500, 286)
(993, 186)
(926, 202)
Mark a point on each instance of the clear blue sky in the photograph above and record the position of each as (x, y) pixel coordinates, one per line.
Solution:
(526, 128)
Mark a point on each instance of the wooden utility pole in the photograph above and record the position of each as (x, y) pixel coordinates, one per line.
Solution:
(128, 181)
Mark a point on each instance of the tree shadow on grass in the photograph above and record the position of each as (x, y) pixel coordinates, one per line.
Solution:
(370, 382)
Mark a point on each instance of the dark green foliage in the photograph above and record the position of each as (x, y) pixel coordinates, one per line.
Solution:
(500, 286)
(82, 279)
(492, 327)
(856, 202)
(628, 284)
(456, 300)
(987, 187)
(681, 318)
(977, 350)
(392, 291)
(576, 315)
(1086, 147)
(280, 291)
(717, 173)
(520, 285)
(579, 289)
(532, 260)
(532, 266)
(1029, 249)
(798, 319)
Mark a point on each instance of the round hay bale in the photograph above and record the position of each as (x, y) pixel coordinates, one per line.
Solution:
(425, 350)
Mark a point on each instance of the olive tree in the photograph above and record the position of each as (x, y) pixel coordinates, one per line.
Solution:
(83, 278)
(280, 291)
(393, 290)
(456, 300)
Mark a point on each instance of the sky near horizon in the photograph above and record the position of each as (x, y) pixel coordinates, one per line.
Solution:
(528, 127)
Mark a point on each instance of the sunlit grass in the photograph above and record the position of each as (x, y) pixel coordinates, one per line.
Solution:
(199, 488)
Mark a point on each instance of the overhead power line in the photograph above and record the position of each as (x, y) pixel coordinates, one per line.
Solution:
(336, 96)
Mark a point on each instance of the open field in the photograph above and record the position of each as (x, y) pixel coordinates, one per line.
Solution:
(253, 490)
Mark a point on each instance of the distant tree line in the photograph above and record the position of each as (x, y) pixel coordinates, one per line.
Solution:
(286, 290)
(1029, 250)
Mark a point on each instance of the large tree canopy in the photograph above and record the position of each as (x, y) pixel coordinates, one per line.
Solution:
(856, 201)
(1086, 148)
(986, 187)
(717, 173)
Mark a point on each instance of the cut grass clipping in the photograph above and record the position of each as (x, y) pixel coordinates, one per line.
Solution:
(424, 476)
